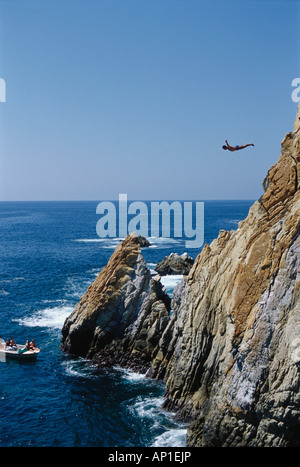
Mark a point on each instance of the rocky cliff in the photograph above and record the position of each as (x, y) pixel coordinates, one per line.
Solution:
(230, 355)
(230, 352)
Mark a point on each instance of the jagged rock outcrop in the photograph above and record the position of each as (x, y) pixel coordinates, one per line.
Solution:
(121, 317)
(175, 264)
(230, 355)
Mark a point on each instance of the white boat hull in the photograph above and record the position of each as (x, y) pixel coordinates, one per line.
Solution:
(17, 353)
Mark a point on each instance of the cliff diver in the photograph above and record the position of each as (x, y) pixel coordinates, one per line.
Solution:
(235, 148)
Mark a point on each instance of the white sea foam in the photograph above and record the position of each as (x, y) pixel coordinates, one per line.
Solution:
(173, 433)
(79, 368)
(151, 267)
(94, 271)
(3, 293)
(232, 221)
(107, 243)
(87, 240)
(75, 287)
(171, 281)
(149, 407)
(49, 317)
(111, 243)
(130, 375)
(163, 242)
(175, 437)
(8, 281)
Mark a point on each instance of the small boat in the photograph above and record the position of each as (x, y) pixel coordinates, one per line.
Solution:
(18, 351)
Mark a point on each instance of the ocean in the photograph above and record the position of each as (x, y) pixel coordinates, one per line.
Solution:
(49, 254)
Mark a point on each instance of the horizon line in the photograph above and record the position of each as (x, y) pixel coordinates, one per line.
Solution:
(128, 200)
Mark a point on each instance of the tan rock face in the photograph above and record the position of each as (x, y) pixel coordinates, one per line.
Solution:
(121, 317)
(238, 319)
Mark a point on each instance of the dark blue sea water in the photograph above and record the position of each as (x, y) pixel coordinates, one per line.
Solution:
(49, 255)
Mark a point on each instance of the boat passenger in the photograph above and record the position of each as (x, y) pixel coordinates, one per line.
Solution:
(13, 344)
(10, 344)
(33, 345)
(27, 345)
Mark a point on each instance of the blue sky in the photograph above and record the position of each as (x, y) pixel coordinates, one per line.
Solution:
(137, 96)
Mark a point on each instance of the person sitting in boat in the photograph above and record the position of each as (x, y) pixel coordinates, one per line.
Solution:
(10, 344)
(33, 345)
(28, 346)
